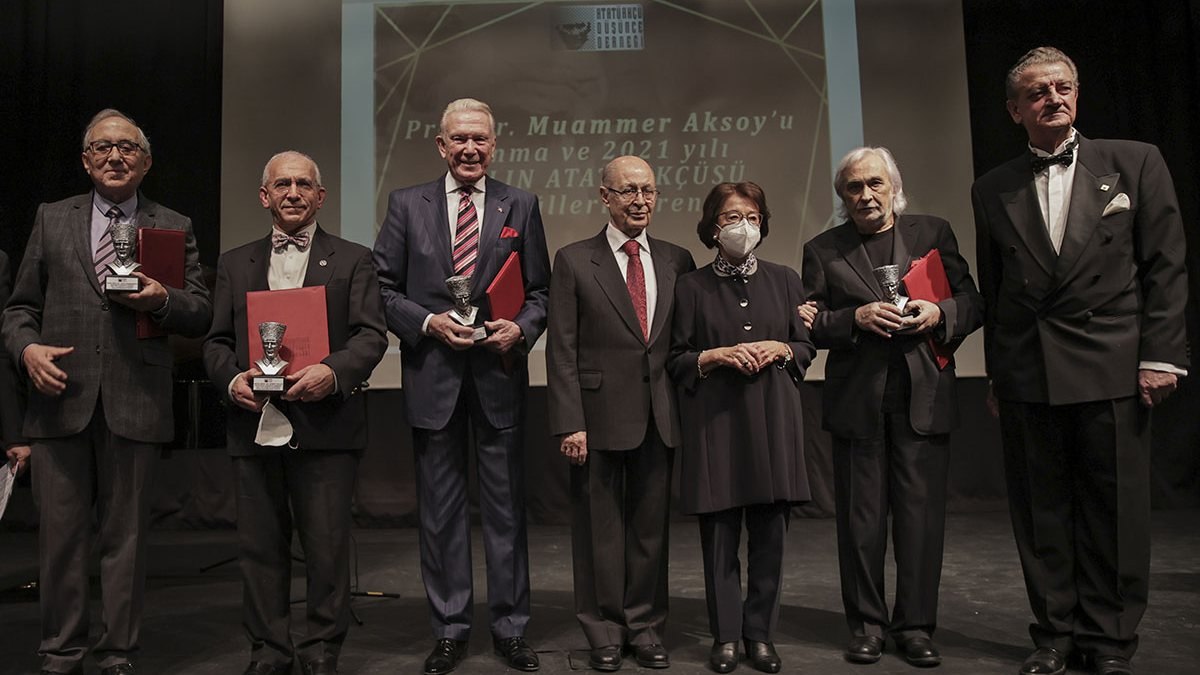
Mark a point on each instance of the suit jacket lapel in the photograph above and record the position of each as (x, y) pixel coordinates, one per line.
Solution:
(608, 276)
(320, 267)
(437, 222)
(1025, 214)
(495, 214)
(851, 249)
(1089, 194)
(902, 245)
(260, 264)
(664, 275)
(81, 232)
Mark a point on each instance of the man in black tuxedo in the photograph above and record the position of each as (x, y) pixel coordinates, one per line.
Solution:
(1081, 264)
(887, 401)
(295, 460)
(466, 223)
(613, 408)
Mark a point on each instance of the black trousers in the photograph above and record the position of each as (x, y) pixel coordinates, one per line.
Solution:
(902, 474)
(441, 458)
(1079, 496)
(729, 617)
(619, 538)
(310, 492)
(71, 475)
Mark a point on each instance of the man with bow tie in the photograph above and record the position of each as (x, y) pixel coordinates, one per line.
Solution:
(1081, 264)
(295, 458)
(466, 224)
(99, 403)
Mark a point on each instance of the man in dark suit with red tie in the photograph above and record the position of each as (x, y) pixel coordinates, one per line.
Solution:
(295, 459)
(1081, 264)
(613, 408)
(466, 224)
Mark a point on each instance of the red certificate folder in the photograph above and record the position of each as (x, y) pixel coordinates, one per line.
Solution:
(926, 280)
(302, 310)
(161, 254)
(506, 293)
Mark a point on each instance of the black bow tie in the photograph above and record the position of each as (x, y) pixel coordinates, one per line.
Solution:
(1065, 158)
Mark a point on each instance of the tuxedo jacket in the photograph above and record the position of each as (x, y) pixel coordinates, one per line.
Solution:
(12, 393)
(357, 341)
(1072, 327)
(413, 258)
(838, 277)
(603, 376)
(57, 300)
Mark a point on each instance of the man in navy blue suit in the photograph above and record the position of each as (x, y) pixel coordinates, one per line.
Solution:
(466, 224)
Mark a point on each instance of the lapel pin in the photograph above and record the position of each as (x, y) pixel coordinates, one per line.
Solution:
(1104, 187)
(323, 262)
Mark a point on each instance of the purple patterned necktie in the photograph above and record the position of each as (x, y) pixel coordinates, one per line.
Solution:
(105, 253)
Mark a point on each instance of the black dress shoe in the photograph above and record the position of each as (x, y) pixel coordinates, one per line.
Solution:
(261, 668)
(652, 656)
(118, 669)
(1045, 661)
(724, 656)
(606, 659)
(445, 656)
(326, 665)
(1112, 665)
(517, 652)
(920, 652)
(762, 656)
(864, 649)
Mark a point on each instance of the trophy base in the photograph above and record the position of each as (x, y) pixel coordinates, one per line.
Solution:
(267, 384)
(115, 283)
(468, 320)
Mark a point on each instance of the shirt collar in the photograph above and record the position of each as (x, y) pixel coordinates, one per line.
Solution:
(617, 239)
(1042, 153)
(128, 207)
(452, 184)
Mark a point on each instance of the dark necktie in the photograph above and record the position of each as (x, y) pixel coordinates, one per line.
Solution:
(105, 253)
(1066, 157)
(466, 234)
(635, 281)
(280, 240)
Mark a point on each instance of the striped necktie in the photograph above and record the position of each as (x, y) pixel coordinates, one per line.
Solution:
(466, 234)
(105, 253)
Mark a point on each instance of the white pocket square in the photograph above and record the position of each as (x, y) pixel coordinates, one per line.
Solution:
(1118, 204)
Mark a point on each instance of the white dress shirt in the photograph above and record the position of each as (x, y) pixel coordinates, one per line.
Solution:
(289, 266)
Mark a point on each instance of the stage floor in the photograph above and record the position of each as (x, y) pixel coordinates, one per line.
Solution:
(193, 619)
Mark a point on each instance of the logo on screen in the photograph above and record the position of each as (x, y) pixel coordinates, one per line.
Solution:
(599, 28)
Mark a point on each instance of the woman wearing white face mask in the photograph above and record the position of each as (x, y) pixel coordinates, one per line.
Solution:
(739, 351)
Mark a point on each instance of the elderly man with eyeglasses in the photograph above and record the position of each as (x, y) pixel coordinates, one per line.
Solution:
(613, 409)
(100, 397)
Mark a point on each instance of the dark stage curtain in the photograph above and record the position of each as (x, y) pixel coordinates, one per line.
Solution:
(1139, 71)
(62, 61)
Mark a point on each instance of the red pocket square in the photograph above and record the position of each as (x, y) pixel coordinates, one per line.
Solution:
(508, 233)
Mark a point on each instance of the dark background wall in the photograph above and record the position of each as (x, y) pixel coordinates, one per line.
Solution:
(160, 62)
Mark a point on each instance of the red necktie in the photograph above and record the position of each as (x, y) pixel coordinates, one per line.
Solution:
(105, 253)
(466, 234)
(635, 281)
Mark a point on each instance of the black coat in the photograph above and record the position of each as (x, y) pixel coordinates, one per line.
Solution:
(743, 437)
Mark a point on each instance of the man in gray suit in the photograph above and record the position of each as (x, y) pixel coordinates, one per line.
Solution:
(12, 398)
(100, 397)
(613, 407)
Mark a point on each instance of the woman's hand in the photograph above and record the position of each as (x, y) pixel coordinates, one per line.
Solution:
(747, 357)
(768, 352)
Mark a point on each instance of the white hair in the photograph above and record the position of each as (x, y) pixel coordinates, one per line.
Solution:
(109, 113)
(899, 201)
(266, 175)
(463, 105)
(1038, 56)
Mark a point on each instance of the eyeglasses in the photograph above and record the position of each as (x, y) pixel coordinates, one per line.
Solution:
(629, 194)
(102, 148)
(733, 217)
